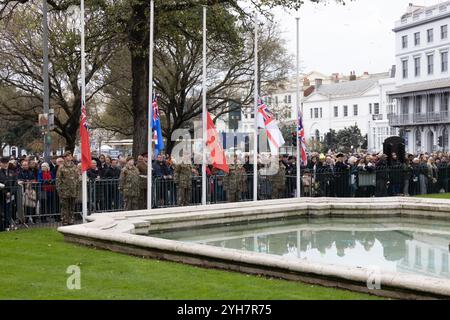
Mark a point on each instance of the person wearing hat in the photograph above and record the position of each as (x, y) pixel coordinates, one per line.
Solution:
(341, 176)
(67, 185)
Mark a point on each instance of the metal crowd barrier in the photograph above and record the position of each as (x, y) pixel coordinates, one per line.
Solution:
(34, 203)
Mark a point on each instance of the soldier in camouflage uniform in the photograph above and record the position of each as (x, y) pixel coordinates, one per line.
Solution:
(278, 181)
(129, 185)
(234, 181)
(67, 185)
(183, 180)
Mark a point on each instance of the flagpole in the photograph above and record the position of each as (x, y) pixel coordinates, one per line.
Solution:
(83, 101)
(150, 110)
(297, 107)
(255, 133)
(204, 111)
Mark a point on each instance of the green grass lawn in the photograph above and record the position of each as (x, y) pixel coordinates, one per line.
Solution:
(33, 265)
(436, 196)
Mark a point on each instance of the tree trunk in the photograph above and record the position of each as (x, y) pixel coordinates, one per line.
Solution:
(140, 104)
(138, 40)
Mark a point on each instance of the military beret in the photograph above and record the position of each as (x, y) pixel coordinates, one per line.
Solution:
(4, 160)
(67, 153)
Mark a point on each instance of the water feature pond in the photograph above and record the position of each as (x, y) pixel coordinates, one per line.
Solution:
(405, 245)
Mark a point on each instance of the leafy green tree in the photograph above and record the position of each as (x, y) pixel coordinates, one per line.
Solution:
(349, 138)
(330, 141)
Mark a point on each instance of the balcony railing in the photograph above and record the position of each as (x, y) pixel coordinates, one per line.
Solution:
(376, 117)
(419, 118)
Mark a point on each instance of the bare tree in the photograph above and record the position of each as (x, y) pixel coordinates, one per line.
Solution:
(21, 66)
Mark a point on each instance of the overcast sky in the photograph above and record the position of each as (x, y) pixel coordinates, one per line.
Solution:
(336, 38)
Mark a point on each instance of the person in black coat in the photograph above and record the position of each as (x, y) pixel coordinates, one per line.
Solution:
(341, 176)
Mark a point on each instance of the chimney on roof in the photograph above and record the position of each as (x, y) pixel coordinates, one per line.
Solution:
(318, 83)
(335, 77)
(306, 82)
(393, 70)
(352, 76)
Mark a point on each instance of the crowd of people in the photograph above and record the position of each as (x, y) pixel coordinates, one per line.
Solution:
(29, 190)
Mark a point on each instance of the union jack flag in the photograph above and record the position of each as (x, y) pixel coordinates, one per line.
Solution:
(301, 136)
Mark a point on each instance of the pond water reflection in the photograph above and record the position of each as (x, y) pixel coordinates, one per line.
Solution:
(417, 246)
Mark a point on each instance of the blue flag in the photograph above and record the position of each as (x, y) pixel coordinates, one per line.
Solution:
(156, 128)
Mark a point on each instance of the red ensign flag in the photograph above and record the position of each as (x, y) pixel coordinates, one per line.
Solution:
(85, 145)
(219, 160)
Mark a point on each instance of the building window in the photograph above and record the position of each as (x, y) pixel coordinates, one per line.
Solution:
(405, 68)
(444, 265)
(418, 138)
(311, 113)
(345, 111)
(317, 134)
(405, 105)
(444, 61)
(405, 42)
(417, 67)
(276, 100)
(418, 105)
(444, 102)
(316, 113)
(321, 113)
(355, 109)
(430, 103)
(430, 260)
(336, 112)
(417, 39)
(370, 108)
(430, 63)
(376, 107)
(418, 256)
(430, 35)
(444, 32)
(289, 99)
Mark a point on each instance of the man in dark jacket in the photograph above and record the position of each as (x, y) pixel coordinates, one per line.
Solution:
(3, 183)
(341, 175)
(111, 174)
(382, 176)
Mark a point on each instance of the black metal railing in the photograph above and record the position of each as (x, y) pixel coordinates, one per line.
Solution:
(33, 203)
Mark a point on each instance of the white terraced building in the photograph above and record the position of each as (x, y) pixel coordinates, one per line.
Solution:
(420, 100)
(341, 105)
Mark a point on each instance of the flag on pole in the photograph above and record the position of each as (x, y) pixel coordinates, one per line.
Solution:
(218, 158)
(301, 136)
(267, 120)
(85, 144)
(156, 127)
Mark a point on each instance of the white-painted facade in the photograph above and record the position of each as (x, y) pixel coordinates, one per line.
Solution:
(341, 105)
(420, 99)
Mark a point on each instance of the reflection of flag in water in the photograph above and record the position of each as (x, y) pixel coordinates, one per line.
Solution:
(267, 120)
(218, 158)
(156, 127)
(84, 137)
(301, 137)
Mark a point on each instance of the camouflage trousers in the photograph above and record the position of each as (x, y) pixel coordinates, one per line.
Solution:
(184, 196)
(278, 193)
(67, 211)
(234, 195)
(131, 203)
(141, 200)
